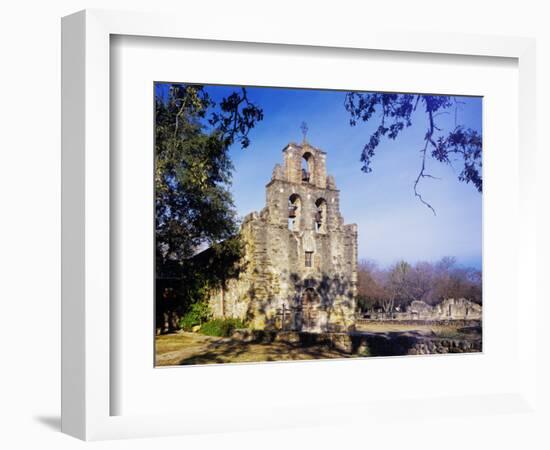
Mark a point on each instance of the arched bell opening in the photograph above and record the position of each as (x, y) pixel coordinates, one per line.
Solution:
(294, 212)
(321, 215)
(308, 166)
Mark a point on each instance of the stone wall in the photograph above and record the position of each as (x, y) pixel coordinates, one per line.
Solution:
(448, 309)
(276, 272)
(367, 344)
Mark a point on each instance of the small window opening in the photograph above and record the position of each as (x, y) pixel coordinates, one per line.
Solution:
(309, 259)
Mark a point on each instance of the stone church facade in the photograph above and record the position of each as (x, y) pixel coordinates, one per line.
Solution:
(300, 262)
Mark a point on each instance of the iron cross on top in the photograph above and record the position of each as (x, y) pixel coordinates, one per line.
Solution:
(304, 129)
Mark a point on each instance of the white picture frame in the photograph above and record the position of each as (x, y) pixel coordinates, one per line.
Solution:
(86, 215)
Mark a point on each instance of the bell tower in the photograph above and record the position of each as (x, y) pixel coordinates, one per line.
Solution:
(305, 164)
(300, 256)
(300, 195)
(310, 246)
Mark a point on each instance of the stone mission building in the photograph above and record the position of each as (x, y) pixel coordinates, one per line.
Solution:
(300, 264)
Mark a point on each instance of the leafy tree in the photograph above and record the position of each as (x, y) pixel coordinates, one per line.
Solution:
(194, 208)
(395, 112)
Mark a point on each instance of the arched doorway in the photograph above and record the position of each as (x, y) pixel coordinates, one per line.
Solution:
(314, 317)
(310, 297)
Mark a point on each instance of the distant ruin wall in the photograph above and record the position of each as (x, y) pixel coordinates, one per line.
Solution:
(449, 309)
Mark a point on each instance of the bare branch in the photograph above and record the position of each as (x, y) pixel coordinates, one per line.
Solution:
(416, 103)
(422, 174)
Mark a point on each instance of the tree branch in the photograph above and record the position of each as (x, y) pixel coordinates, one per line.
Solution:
(422, 173)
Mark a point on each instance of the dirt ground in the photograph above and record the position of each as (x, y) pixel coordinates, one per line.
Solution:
(193, 348)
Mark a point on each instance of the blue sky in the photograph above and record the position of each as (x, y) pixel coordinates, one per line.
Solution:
(392, 223)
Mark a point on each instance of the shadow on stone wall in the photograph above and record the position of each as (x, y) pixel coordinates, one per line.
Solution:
(334, 294)
(328, 289)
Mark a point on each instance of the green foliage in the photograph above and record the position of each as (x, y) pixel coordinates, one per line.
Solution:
(194, 208)
(221, 327)
(198, 314)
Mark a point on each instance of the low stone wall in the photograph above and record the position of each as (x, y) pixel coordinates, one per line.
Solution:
(359, 323)
(434, 346)
(399, 343)
(367, 344)
(448, 309)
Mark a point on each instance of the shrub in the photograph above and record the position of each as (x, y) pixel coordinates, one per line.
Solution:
(198, 314)
(221, 327)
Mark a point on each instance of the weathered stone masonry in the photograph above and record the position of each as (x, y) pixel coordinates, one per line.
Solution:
(300, 259)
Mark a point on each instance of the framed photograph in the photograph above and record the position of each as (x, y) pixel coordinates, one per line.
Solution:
(277, 219)
(243, 275)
